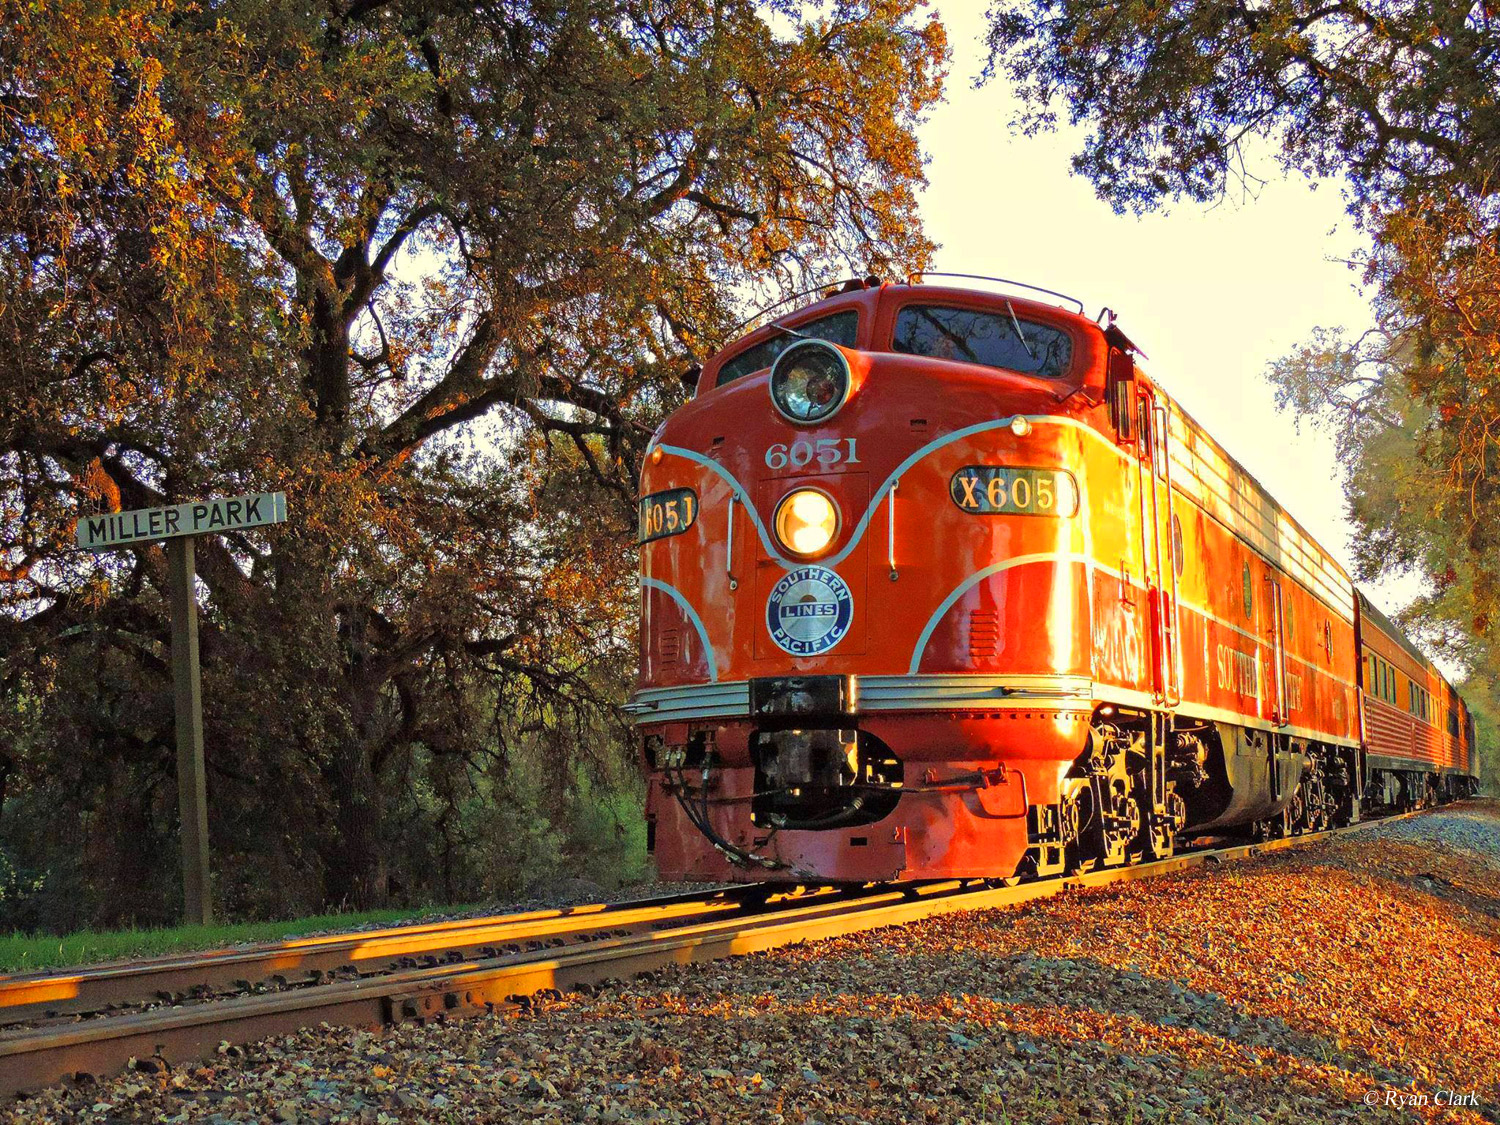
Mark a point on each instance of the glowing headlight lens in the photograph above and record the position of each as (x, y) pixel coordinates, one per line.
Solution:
(806, 521)
(809, 381)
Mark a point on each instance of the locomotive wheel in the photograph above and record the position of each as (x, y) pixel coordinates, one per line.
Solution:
(1077, 827)
(1315, 800)
(1162, 839)
(1295, 817)
(1121, 840)
(1158, 838)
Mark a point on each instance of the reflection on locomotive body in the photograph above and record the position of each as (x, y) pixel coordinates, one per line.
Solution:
(938, 582)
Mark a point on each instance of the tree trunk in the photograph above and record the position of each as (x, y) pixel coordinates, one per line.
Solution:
(355, 871)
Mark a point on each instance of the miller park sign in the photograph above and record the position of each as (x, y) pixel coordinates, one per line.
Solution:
(178, 525)
(147, 525)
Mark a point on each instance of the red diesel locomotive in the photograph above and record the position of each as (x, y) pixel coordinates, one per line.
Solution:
(938, 583)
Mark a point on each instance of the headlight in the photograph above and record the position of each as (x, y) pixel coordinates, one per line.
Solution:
(809, 381)
(806, 521)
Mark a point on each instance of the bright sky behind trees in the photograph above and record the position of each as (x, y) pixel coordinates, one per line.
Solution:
(1212, 296)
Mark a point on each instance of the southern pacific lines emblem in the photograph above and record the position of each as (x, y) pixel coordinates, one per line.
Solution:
(809, 610)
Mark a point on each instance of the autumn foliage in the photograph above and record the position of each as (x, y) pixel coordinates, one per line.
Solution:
(432, 269)
(1397, 100)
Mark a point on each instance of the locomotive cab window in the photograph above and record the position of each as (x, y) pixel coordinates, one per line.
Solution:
(840, 328)
(991, 339)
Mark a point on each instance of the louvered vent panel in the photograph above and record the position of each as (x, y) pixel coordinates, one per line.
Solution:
(669, 645)
(984, 633)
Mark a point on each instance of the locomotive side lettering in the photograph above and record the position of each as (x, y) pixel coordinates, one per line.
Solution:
(1238, 672)
(1007, 490)
(1293, 692)
(667, 513)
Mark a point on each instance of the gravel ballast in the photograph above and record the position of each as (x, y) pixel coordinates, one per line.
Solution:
(1296, 987)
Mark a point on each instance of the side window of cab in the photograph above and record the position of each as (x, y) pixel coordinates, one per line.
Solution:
(840, 328)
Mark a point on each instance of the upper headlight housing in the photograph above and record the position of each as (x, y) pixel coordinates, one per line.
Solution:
(809, 381)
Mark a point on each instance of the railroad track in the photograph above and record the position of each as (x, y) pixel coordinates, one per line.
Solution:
(97, 1019)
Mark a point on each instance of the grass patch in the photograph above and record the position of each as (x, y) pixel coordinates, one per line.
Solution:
(25, 952)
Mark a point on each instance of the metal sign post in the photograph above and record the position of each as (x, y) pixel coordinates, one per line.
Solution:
(178, 525)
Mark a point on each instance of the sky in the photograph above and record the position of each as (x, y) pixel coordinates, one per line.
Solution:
(1211, 295)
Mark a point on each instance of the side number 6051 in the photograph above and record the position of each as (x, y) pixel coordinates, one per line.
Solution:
(802, 453)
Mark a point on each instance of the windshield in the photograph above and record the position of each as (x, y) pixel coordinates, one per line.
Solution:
(837, 328)
(982, 337)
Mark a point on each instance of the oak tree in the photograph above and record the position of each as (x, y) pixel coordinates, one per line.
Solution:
(432, 268)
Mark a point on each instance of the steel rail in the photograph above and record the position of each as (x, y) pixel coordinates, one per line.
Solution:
(28, 996)
(30, 1058)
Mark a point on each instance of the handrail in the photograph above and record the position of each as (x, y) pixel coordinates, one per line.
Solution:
(914, 279)
(919, 277)
(1282, 716)
(1166, 455)
(821, 287)
(734, 583)
(1147, 511)
(890, 539)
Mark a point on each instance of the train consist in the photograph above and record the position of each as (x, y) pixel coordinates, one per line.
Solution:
(937, 582)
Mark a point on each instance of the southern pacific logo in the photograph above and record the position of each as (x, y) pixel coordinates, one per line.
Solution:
(809, 610)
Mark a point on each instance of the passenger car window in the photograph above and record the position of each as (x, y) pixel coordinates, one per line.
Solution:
(982, 337)
(837, 328)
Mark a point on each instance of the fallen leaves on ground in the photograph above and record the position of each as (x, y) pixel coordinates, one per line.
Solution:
(1289, 988)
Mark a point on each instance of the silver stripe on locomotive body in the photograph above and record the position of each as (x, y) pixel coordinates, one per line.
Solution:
(726, 700)
(938, 692)
(731, 698)
(915, 693)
